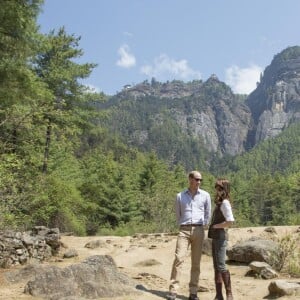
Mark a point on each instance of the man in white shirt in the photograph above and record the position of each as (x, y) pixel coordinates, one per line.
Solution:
(193, 211)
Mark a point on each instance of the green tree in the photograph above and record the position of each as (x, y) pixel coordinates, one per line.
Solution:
(19, 87)
(111, 190)
(57, 68)
(20, 92)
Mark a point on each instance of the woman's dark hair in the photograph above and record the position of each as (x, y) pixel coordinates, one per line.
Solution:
(223, 190)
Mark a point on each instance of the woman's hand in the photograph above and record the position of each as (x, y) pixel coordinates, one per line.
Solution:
(222, 225)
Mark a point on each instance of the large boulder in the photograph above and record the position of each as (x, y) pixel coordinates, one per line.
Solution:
(254, 249)
(95, 277)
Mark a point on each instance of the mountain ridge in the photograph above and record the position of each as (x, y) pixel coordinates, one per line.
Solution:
(209, 113)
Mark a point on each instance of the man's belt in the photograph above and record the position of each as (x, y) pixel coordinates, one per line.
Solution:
(191, 225)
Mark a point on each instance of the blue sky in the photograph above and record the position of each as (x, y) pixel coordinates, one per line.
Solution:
(135, 40)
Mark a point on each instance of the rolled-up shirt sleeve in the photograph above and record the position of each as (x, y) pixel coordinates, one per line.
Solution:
(227, 210)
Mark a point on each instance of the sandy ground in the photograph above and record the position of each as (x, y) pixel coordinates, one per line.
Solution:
(148, 261)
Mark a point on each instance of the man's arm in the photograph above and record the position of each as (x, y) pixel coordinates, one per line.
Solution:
(178, 208)
(207, 210)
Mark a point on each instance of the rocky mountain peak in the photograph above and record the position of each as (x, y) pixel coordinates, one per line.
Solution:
(276, 101)
(170, 89)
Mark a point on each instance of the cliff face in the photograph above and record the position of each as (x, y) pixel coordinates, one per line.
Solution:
(209, 112)
(218, 118)
(276, 101)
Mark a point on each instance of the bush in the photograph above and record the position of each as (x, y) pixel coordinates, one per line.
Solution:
(288, 258)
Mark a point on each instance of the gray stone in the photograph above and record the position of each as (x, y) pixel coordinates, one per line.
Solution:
(70, 253)
(253, 250)
(20, 247)
(95, 277)
(282, 288)
(263, 269)
(270, 230)
(96, 244)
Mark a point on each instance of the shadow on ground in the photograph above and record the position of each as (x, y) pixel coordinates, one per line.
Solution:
(161, 294)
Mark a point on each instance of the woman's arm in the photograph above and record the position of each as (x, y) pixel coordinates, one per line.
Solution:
(225, 224)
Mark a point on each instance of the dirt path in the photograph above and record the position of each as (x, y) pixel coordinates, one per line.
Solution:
(148, 260)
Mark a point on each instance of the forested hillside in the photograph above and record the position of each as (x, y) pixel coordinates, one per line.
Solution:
(66, 164)
(191, 123)
(267, 180)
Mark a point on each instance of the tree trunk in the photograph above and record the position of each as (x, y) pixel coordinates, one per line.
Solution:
(47, 147)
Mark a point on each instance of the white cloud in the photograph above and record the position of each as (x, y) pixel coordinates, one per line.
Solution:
(243, 80)
(129, 34)
(126, 60)
(165, 68)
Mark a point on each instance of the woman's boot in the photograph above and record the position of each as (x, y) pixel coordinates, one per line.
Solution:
(218, 284)
(227, 283)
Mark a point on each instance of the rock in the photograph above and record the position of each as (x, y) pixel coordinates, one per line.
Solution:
(18, 248)
(95, 277)
(70, 253)
(263, 269)
(270, 230)
(282, 288)
(268, 273)
(254, 249)
(27, 273)
(96, 244)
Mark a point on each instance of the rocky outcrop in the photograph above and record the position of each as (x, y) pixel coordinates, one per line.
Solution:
(18, 248)
(208, 111)
(275, 103)
(224, 121)
(217, 118)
